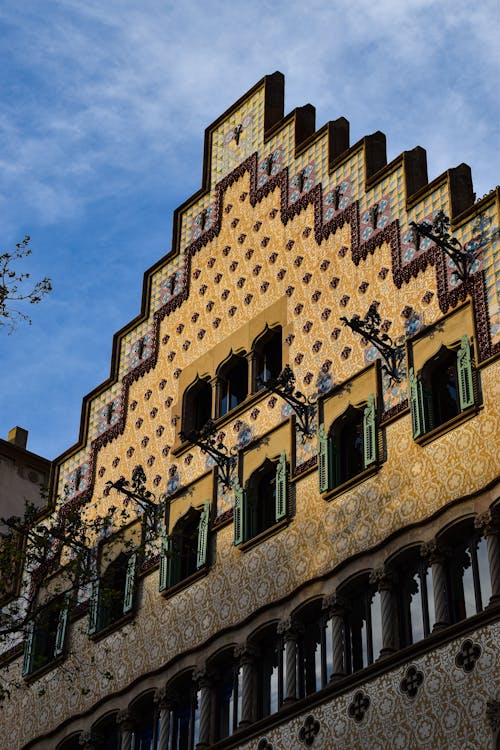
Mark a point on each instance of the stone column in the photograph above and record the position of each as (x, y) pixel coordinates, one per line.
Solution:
(335, 608)
(125, 720)
(435, 554)
(165, 702)
(252, 384)
(383, 579)
(216, 383)
(489, 523)
(204, 682)
(246, 656)
(290, 630)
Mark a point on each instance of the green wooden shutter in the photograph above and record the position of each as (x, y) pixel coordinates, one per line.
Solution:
(162, 585)
(239, 514)
(369, 433)
(281, 487)
(325, 460)
(128, 598)
(418, 411)
(201, 556)
(465, 376)
(94, 607)
(61, 625)
(28, 648)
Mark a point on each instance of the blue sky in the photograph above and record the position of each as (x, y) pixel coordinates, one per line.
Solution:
(104, 106)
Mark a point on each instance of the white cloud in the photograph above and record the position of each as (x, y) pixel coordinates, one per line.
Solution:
(105, 104)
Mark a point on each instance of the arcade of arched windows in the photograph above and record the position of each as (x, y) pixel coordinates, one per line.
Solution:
(417, 591)
(237, 377)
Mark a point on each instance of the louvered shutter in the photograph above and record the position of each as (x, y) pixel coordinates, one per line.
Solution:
(369, 433)
(128, 598)
(162, 585)
(325, 460)
(94, 607)
(465, 376)
(28, 648)
(238, 514)
(281, 487)
(418, 412)
(201, 556)
(61, 625)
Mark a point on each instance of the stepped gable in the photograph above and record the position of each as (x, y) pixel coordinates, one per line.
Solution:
(237, 247)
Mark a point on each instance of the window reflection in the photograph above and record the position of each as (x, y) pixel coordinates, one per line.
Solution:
(363, 625)
(184, 718)
(144, 734)
(468, 571)
(270, 673)
(414, 596)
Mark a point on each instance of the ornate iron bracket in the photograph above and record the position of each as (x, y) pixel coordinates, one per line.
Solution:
(304, 406)
(210, 441)
(392, 352)
(439, 233)
(137, 492)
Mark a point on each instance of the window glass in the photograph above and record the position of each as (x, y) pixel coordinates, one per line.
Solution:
(443, 384)
(197, 408)
(268, 359)
(234, 386)
(112, 591)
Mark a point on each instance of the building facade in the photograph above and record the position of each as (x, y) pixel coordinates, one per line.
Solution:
(24, 479)
(311, 394)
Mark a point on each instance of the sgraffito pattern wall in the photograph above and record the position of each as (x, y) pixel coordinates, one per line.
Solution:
(280, 218)
(421, 706)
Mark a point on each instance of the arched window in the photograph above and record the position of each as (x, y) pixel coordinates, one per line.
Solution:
(228, 694)
(443, 389)
(108, 731)
(349, 447)
(184, 550)
(314, 653)
(70, 743)
(144, 736)
(267, 358)
(362, 625)
(45, 639)
(232, 384)
(270, 672)
(415, 597)
(196, 406)
(185, 714)
(468, 571)
(113, 594)
(263, 502)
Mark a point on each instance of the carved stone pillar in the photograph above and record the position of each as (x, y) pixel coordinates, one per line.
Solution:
(290, 630)
(246, 656)
(165, 702)
(90, 740)
(435, 554)
(126, 722)
(383, 579)
(335, 608)
(489, 523)
(251, 359)
(204, 682)
(217, 384)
